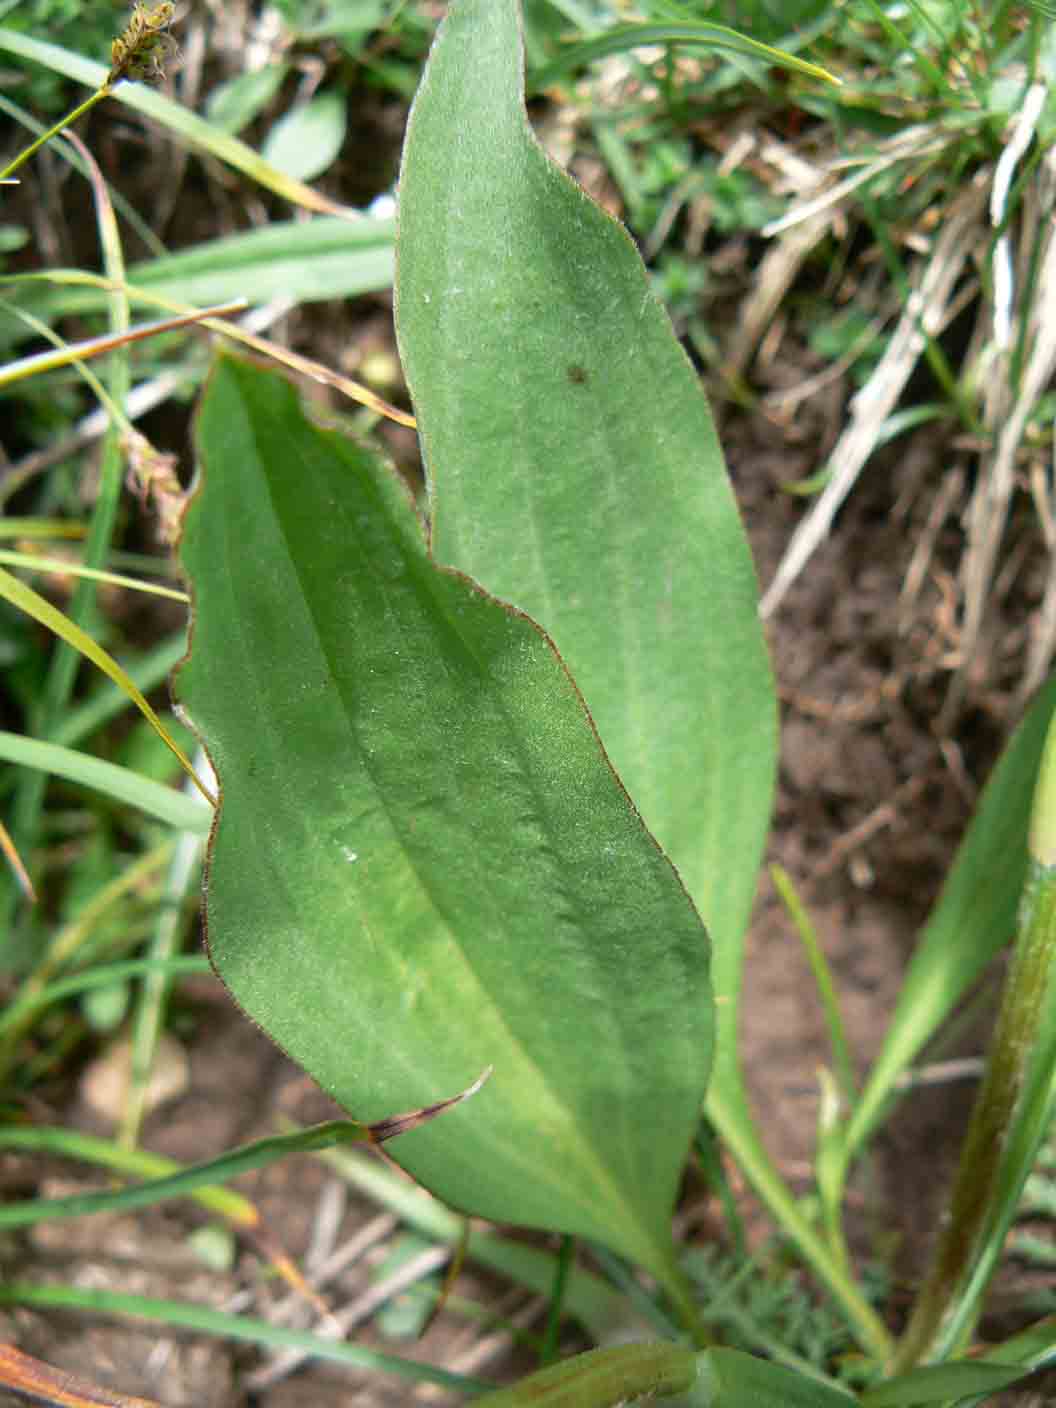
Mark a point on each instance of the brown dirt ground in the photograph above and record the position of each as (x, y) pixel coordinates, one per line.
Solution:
(870, 807)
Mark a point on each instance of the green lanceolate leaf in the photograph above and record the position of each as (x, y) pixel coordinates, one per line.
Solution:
(602, 1378)
(573, 464)
(729, 1378)
(424, 864)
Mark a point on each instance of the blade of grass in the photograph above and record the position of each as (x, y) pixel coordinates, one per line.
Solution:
(67, 943)
(186, 125)
(1013, 1108)
(556, 1309)
(105, 703)
(304, 260)
(699, 34)
(180, 1182)
(234, 1327)
(16, 865)
(842, 1061)
(148, 1018)
(103, 975)
(29, 562)
(75, 630)
(236, 333)
(129, 1163)
(119, 783)
(65, 352)
(13, 527)
(29, 601)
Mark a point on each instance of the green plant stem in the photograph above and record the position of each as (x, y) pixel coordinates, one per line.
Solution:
(733, 1123)
(58, 685)
(552, 1333)
(53, 131)
(679, 1292)
(842, 1061)
(976, 1186)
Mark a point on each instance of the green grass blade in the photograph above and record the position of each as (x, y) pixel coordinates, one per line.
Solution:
(696, 34)
(102, 976)
(973, 919)
(120, 784)
(146, 671)
(200, 1319)
(177, 1184)
(843, 1062)
(303, 260)
(187, 126)
(37, 606)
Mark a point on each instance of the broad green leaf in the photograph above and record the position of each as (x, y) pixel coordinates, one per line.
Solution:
(574, 471)
(574, 468)
(424, 864)
(307, 139)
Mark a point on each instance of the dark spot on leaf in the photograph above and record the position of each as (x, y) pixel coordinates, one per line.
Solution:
(577, 375)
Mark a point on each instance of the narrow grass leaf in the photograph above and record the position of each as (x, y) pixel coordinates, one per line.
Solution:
(694, 34)
(130, 1163)
(939, 1383)
(102, 976)
(975, 915)
(202, 1320)
(424, 864)
(187, 125)
(182, 1181)
(303, 260)
(119, 784)
(33, 604)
